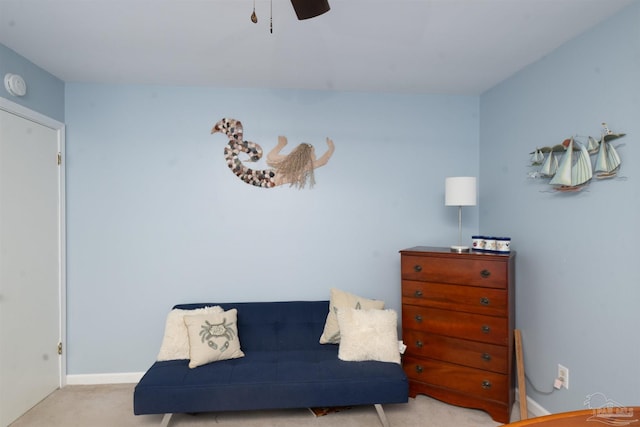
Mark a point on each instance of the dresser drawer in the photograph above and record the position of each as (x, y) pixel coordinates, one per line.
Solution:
(474, 354)
(456, 324)
(472, 271)
(461, 298)
(476, 382)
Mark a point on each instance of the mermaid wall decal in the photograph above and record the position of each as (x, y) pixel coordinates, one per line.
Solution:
(295, 168)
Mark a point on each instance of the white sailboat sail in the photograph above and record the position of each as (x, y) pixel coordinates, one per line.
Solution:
(549, 166)
(608, 160)
(592, 145)
(563, 173)
(582, 171)
(537, 157)
(572, 174)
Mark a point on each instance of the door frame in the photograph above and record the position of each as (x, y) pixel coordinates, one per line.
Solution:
(59, 127)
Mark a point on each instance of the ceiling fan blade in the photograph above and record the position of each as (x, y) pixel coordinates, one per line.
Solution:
(306, 9)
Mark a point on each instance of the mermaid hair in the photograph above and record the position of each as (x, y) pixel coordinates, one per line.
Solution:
(297, 167)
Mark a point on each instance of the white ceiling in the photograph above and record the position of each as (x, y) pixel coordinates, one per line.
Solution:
(407, 46)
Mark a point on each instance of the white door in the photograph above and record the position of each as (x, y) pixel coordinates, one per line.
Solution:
(31, 273)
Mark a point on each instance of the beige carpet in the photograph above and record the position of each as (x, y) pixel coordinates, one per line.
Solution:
(112, 406)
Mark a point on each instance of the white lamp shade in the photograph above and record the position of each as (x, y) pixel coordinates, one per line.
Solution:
(460, 191)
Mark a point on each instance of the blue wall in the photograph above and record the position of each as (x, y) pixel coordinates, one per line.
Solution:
(578, 287)
(45, 92)
(156, 218)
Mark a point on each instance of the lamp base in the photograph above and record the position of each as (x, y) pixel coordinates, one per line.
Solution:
(459, 249)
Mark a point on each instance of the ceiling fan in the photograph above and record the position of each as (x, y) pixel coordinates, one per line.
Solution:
(304, 9)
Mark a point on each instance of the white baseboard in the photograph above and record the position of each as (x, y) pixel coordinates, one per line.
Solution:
(90, 379)
(533, 407)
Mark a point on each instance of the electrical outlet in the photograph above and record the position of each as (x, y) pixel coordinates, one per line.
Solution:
(563, 375)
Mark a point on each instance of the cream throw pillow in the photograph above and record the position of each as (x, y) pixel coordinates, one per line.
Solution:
(368, 335)
(175, 342)
(213, 337)
(341, 299)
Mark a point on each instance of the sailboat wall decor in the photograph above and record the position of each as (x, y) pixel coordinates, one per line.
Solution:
(607, 161)
(575, 170)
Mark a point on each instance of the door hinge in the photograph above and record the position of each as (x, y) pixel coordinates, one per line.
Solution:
(59, 158)
(60, 348)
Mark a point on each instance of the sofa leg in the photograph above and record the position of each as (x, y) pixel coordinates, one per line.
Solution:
(381, 415)
(165, 420)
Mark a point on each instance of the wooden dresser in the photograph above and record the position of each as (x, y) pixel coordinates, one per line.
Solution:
(457, 322)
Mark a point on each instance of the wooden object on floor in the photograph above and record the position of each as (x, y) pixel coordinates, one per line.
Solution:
(629, 416)
(457, 322)
(522, 385)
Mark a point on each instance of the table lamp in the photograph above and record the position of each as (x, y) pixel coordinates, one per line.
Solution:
(460, 191)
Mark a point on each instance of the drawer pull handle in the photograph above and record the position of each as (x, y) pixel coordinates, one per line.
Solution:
(417, 268)
(418, 318)
(419, 369)
(419, 344)
(485, 274)
(484, 301)
(486, 356)
(486, 384)
(486, 329)
(418, 294)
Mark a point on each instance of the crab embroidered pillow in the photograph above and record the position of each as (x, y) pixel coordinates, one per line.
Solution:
(341, 299)
(213, 337)
(175, 342)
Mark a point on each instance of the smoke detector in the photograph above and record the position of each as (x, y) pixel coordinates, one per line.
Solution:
(15, 84)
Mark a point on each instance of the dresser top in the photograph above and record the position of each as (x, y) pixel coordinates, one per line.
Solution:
(439, 251)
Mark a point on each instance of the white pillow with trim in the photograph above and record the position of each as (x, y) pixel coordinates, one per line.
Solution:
(175, 342)
(341, 299)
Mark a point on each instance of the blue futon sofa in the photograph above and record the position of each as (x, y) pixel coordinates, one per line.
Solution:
(284, 367)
